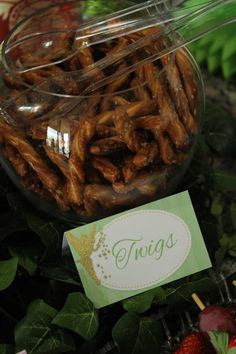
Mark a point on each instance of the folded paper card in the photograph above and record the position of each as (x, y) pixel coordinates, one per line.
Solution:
(139, 249)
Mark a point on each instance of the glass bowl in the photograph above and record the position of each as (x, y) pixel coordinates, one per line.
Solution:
(82, 139)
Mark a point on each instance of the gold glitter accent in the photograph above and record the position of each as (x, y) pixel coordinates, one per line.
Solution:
(85, 247)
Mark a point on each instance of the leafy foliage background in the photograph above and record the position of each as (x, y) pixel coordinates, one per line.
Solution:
(42, 305)
(216, 50)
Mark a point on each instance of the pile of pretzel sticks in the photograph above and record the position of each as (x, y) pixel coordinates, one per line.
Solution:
(117, 147)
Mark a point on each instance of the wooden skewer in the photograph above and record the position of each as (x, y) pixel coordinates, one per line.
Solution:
(198, 301)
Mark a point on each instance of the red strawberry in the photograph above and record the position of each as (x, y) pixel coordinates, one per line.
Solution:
(196, 343)
(232, 342)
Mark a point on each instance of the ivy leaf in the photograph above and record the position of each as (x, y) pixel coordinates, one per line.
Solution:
(136, 335)
(60, 273)
(78, 315)
(142, 302)
(220, 132)
(223, 181)
(139, 303)
(233, 213)
(181, 295)
(49, 232)
(6, 349)
(35, 334)
(27, 258)
(220, 255)
(229, 242)
(7, 272)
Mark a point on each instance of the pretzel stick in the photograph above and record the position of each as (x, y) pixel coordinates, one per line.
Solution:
(105, 131)
(96, 195)
(134, 109)
(114, 85)
(129, 170)
(122, 43)
(139, 89)
(59, 160)
(86, 60)
(46, 175)
(147, 182)
(126, 130)
(73, 63)
(107, 146)
(119, 101)
(19, 164)
(13, 82)
(178, 94)
(76, 178)
(118, 83)
(152, 122)
(93, 176)
(157, 86)
(188, 77)
(166, 150)
(74, 188)
(57, 76)
(85, 131)
(146, 155)
(107, 169)
(114, 100)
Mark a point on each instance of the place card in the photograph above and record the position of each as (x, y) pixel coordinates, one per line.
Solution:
(137, 250)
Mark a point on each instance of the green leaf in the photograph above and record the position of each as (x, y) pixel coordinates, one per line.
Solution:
(219, 340)
(139, 303)
(176, 297)
(220, 255)
(6, 349)
(199, 54)
(79, 315)
(49, 232)
(221, 37)
(213, 62)
(35, 333)
(229, 242)
(217, 204)
(233, 213)
(7, 272)
(27, 257)
(60, 273)
(136, 335)
(223, 181)
(229, 48)
(231, 351)
(220, 131)
(229, 67)
(142, 302)
(103, 7)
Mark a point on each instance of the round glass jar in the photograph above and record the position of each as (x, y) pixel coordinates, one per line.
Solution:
(88, 131)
